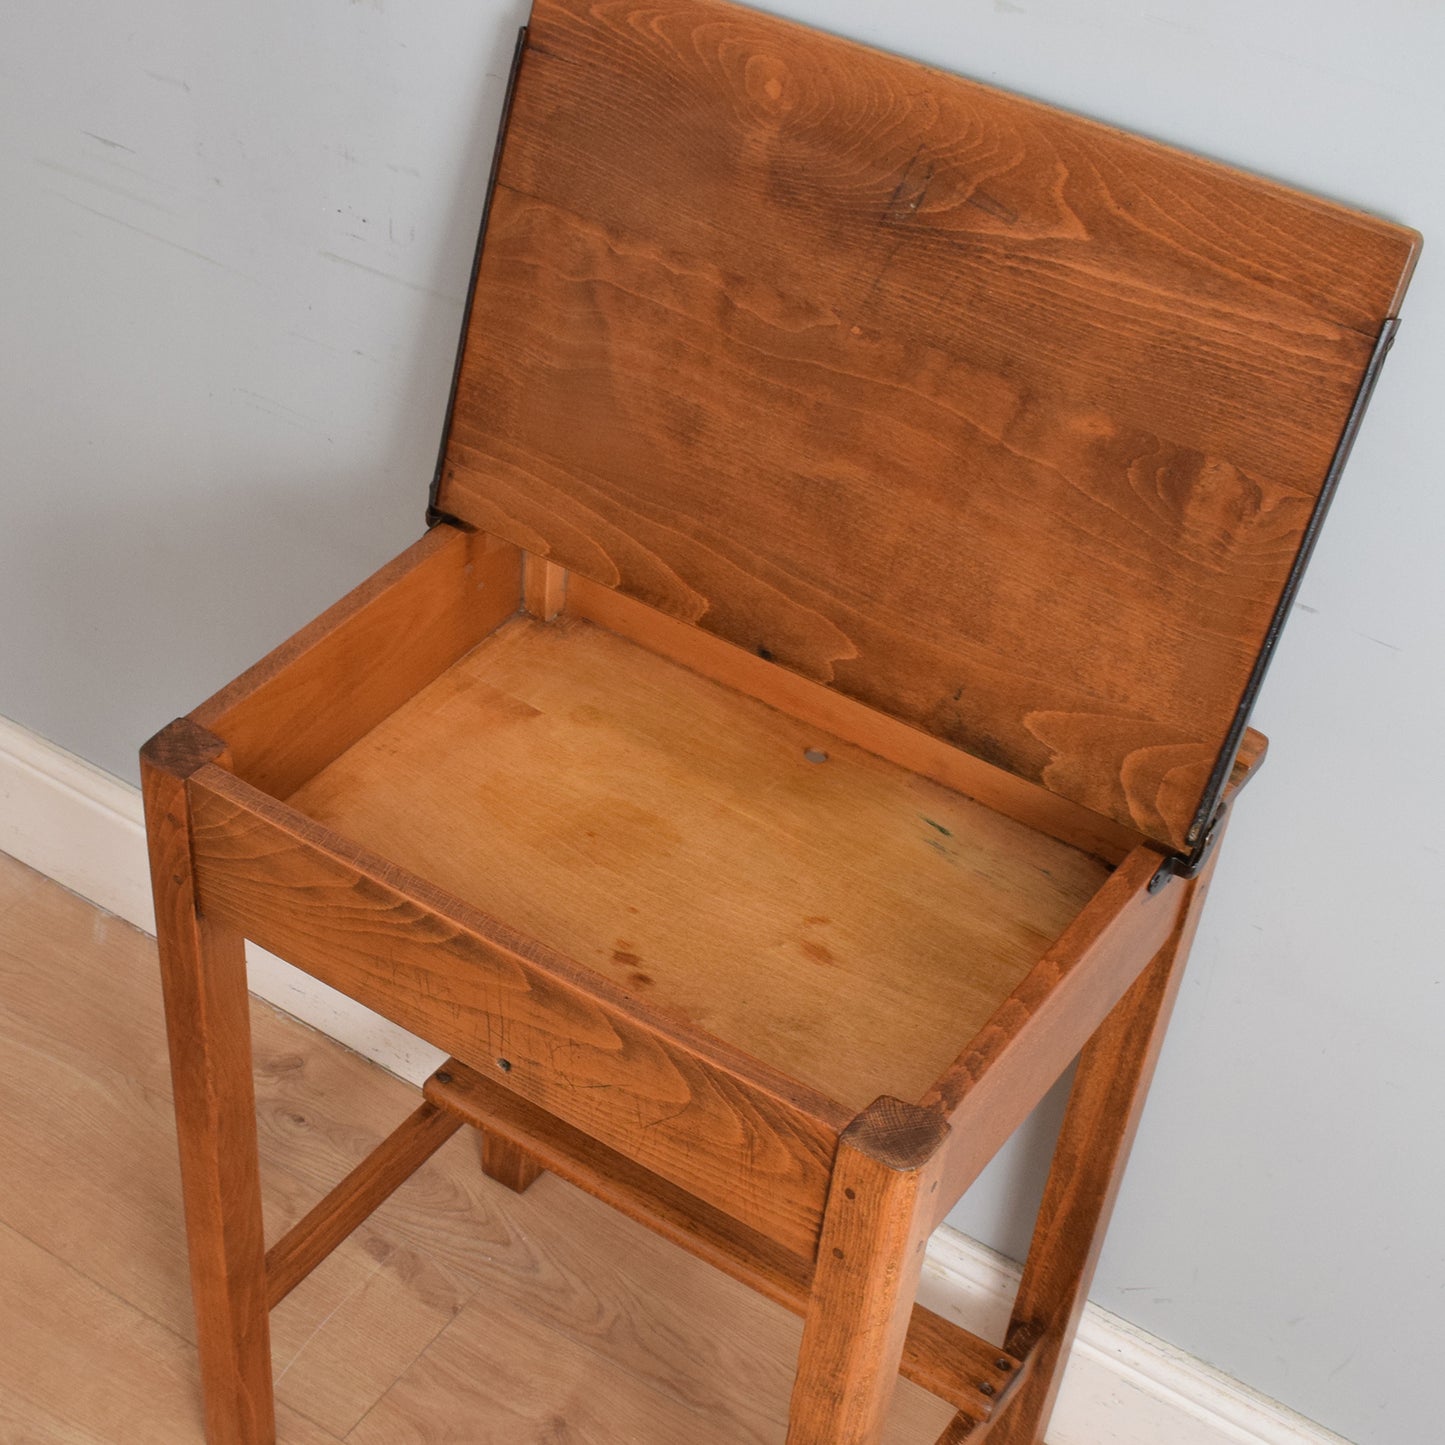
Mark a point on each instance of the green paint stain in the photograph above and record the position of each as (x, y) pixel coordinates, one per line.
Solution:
(947, 833)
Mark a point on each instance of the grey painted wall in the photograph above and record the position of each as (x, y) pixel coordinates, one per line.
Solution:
(235, 242)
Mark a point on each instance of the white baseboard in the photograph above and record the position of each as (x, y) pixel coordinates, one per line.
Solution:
(82, 827)
(1122, 1386)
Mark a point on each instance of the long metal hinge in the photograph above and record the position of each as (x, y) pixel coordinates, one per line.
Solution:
(433, 513)
(1205, 829)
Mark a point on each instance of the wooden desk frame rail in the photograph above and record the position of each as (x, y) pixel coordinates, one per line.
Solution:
(830, 1214)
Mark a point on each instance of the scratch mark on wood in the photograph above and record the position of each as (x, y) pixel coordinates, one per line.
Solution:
(984, 202)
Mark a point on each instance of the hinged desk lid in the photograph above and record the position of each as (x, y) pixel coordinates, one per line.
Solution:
(1006, 423)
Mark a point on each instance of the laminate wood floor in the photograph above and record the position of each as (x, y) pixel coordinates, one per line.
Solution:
(459, 1313)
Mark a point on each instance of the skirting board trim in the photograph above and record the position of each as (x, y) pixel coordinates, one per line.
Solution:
(82, 827)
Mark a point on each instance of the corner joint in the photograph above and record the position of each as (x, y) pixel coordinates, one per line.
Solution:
(181, 748)
(898, 1135)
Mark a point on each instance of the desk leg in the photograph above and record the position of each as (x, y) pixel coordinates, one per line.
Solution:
(1107, 1099)
(203, 976)
(875, 1229)
(508, 1163)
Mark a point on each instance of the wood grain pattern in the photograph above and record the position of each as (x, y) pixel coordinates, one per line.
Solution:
(78, 1366)
(544, 587)
(962, 1427)
(569, 1040)
(939, 1356)
(203, 976)
(1106, 1102)
(824, 707)
(496, 1377)
(509, 1164)
(85, 1114)
(624, 1185)
(875, 1230)
(673, 837)
(1011, 1064)
(1253, 748)
(355, 1199)
(998, 420)
(289, 715)
(480, 1385)
(987, 432)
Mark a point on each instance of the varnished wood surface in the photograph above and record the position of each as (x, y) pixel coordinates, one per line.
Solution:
(1001, 421)
(844, 921)
(946, 1360)
(779, 1274)
(313, 696)
(636, 1078)
(1253, 748)
(1014, 1060)
(811, 702)
(875, 1230)
(544, 587)
(203, 980)
(355, 1198)
(509, 1164)
(460, 1314)
(1106, 1102)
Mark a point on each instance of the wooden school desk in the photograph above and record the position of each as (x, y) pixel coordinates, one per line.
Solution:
(868, 504)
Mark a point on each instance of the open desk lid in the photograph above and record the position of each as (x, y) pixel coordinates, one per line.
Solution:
(1001, 421)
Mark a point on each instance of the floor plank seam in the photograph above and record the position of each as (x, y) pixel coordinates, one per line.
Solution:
(341, 1304)
(1123, 1381)
(98, 1283)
